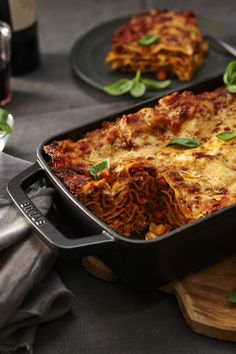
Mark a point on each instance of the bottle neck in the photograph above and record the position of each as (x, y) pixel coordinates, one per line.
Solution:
(22, 14)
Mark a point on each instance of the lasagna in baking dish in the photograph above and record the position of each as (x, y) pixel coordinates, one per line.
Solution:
(165, 43)
(155, 170)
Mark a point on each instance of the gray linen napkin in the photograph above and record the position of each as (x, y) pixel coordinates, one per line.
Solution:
(30, 290)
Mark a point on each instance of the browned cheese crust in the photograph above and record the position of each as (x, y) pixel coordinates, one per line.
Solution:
(150, 187)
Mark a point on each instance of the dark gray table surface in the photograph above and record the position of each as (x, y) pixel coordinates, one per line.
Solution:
(106, 318)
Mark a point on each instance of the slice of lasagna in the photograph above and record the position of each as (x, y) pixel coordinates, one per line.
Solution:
(165, 43)
(151, 187)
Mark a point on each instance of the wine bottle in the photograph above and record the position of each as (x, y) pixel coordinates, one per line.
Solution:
(20, 15)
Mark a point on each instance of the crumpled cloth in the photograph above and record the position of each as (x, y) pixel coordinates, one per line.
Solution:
(31, 292)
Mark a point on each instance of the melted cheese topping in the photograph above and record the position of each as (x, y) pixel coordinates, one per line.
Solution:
(202, 179)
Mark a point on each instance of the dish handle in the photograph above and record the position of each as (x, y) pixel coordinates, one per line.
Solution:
(48, 233)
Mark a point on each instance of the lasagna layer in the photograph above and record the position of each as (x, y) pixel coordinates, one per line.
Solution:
(179, 48)
(149, 186)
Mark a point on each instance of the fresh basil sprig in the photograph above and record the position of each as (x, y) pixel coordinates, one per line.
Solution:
(136, 86)
(119, 87)
(230, 77)
(148, 40)
(228, 135)
(184, 142)
(4, 126)
(99, 167)
(232, 296)
(156, 85)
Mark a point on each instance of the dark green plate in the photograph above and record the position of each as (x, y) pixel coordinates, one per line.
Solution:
(89, 51)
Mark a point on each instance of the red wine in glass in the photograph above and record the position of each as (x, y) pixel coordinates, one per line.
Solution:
(5, 74)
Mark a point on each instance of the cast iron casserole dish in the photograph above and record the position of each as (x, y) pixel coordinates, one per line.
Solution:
(141, 263)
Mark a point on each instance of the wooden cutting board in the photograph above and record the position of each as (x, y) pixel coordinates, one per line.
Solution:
(202, 296)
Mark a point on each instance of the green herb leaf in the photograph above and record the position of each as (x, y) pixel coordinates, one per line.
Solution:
(4, 126)
(119, 87)
(137, 77)
(232, 296)
(155, 85)
(148, 40)
(137, 86)
(230, 77)
(230, 73)
(227, 135)
(231, 88)
(185, 142)
(138, 90)
(99, 167)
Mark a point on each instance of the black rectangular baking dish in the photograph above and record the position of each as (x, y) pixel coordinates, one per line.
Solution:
(139, 262)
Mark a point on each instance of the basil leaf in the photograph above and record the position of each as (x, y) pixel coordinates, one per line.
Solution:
(155, 85)
(229, 77)
(185, 142)
(138, 90)
(148, 40)
(137, 86)
(231, 88)
(119, 87)
(232, 296)
(230, 73)
(4, 126)
(227, 135)
(137, 77)
(99, 167)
